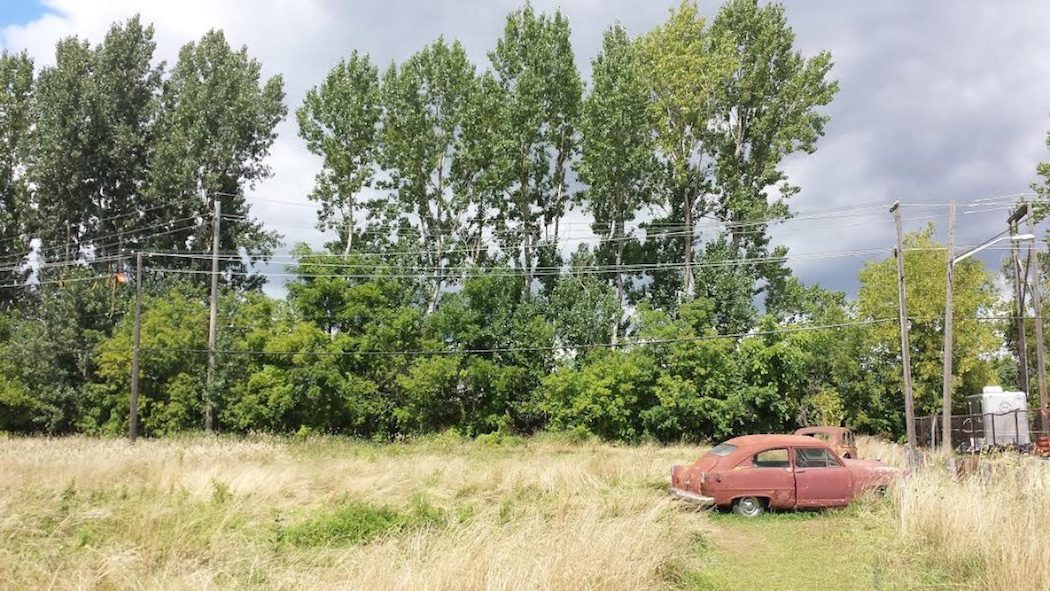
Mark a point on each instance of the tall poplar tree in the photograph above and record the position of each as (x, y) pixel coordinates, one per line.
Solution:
(684, 71)
(425, 101)
(340, 119)
(618, 162)
(95, 112)
(730, 101)
(767, 108)
(217, 125)
(533, 63)
(16, 88)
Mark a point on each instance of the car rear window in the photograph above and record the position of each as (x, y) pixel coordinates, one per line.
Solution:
(722, 449)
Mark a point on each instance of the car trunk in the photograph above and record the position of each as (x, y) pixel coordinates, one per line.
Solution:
(690, 477)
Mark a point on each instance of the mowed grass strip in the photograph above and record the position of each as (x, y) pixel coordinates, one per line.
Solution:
(855, 548)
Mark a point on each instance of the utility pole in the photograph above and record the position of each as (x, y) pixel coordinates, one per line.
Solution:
(902, 310)
(133, 420)
(1037, 305)
(949, 320)
(1019, 282)
(209, 395)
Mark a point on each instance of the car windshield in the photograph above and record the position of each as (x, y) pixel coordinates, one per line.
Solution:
(722, 449)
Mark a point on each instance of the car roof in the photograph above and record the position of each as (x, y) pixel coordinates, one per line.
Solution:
(773, 440)
(820, 429)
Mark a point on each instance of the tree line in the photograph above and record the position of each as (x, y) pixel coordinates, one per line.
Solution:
(451, 296)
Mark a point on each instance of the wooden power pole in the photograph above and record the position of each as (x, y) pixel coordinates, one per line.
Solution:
(902, 311)
(133, 419)
(209, 395)
(1037, 305)
(1019, 283)
(949, 321)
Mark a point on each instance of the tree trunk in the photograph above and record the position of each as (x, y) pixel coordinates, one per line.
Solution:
(687, 279)
(526, 259)
(619, 277)
(349, 228)
(440, 218)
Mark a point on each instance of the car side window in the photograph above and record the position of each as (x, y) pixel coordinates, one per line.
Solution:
(771, 458)
(814, 457)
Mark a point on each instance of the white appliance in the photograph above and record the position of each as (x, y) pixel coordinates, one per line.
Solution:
(1005, 416)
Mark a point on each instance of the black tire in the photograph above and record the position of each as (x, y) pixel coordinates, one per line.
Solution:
(749, 506)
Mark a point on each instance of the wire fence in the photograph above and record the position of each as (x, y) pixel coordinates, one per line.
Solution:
(973, 433)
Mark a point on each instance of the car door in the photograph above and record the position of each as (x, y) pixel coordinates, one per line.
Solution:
(820, 478)
(767, 474)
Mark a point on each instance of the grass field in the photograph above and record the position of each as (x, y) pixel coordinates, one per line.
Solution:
(443, 513)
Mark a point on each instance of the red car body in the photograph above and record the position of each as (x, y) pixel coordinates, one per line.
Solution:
(777, 472)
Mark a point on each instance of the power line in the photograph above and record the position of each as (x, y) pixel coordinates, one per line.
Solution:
(44, 250)
(480, 351)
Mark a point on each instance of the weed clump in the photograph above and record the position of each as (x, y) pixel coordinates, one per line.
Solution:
(356, 522)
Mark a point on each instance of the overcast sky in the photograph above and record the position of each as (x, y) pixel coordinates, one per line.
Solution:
(939, 100)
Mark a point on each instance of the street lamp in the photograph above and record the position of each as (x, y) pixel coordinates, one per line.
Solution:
(977, 249)
(946, 427)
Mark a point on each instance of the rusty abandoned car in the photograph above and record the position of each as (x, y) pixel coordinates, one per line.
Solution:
(839, 438)
(754, 473)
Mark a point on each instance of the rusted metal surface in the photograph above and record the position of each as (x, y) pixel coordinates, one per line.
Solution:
(1042, 446)
(783, 471)
(839, 438)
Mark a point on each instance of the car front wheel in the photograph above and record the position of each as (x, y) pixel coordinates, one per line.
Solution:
(749, 506)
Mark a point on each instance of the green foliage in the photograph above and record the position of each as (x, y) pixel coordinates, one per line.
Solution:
(605, 397)
(17, 408)
(975, 342)
(425, 102)
(729, 102)
(541, 90)
(171, 382)
(339, 119)
(824, 408)
(583, 309)
(447, 303)
(216, 126)
(94, 115)
(16, 91)
(618, 163)
(356, 522)
(48, 345)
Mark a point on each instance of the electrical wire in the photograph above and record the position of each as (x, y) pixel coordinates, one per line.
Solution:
(492, 350)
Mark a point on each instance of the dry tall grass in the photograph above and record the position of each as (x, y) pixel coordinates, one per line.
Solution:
(202, 513)
(206, 513)
(989, 530)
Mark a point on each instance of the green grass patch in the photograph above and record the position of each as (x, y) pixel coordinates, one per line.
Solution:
(356, 522)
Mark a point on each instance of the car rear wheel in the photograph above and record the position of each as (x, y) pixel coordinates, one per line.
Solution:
(749, 506)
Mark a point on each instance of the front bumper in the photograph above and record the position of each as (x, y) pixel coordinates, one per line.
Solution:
(692, 497)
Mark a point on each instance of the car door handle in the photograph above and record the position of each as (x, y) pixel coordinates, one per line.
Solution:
(800, 471)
